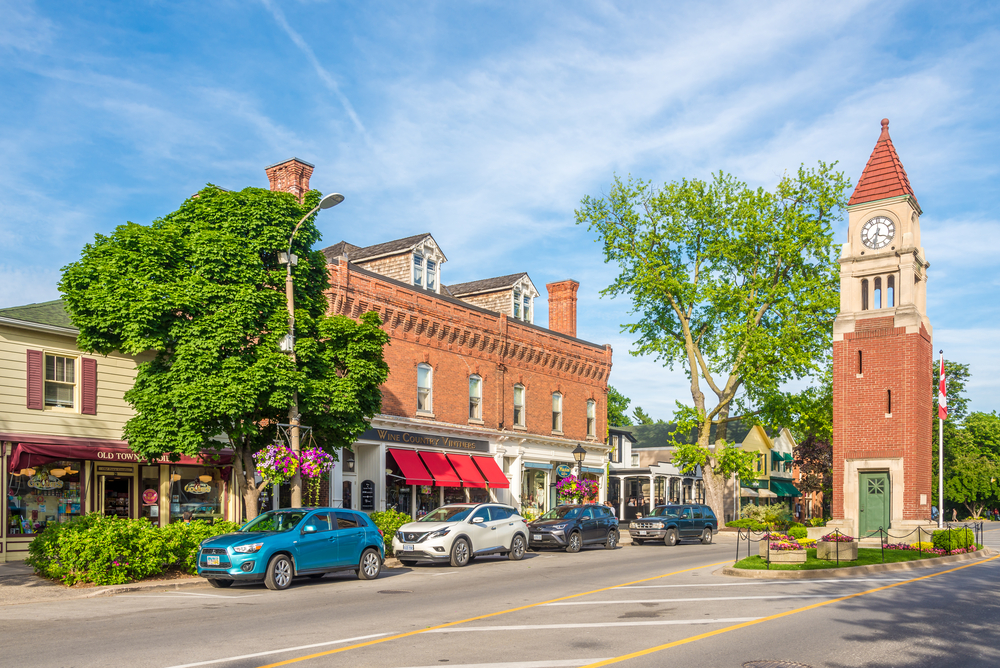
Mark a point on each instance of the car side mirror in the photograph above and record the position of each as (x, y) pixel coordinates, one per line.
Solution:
(478, 520)
(308, 529)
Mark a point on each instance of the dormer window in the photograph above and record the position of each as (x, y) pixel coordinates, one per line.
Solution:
(521, 296)
(418, 270)
(527, 308)
(432, 275)
(517, 304)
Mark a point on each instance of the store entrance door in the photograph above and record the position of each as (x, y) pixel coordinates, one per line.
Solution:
(116, 495)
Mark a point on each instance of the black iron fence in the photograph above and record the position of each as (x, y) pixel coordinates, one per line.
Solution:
(954, 536)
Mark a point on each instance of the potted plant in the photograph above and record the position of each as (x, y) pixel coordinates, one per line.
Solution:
(781, 549)
(837, 546)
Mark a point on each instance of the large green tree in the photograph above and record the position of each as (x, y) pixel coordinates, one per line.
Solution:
(957, 377)
(198, 297)
(738, 286)
(618, 408)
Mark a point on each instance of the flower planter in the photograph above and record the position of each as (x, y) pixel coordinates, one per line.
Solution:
(784, 556)
(817, 532)
(828, 551)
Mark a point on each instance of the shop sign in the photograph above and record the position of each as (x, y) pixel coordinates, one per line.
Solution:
(104, 468)
(367, 495)
(563, 470)
(149, 497)
(197, 487)
(431, 440)
(44, 481)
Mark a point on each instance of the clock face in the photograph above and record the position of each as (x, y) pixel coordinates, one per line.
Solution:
(878, 232)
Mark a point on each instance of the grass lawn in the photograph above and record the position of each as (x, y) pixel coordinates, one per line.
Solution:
(866, 556)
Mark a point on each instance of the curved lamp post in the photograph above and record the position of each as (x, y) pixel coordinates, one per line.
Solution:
(288, 343)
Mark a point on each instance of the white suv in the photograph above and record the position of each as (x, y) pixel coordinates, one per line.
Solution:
(459, 532)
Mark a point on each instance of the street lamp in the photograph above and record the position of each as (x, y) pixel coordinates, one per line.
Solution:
(579, 454)
(288, 342)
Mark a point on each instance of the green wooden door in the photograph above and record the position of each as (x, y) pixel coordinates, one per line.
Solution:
(874, 503)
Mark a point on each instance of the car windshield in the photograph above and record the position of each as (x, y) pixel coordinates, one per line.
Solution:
(275, 520)
(447, 514)
(672, 512)
(562, 513)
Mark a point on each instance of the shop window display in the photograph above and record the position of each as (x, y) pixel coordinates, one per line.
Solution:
(196, 490)
(397, 490)
(454, 495)
(427, 499)
(149, 494)
(533, 491)
(42, 495)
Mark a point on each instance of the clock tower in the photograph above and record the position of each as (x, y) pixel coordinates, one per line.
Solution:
(882, 357)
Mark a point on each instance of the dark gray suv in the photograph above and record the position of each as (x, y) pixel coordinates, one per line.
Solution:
(673, 523)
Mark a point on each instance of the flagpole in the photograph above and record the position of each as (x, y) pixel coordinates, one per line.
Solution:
(941, 447)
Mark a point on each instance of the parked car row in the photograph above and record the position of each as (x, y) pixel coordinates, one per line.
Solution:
(279, 545)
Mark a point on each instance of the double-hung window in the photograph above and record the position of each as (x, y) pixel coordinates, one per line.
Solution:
(418, 270)
(425, 398)
(519, 405)
(475, 398)
(431, 275)
(517, 304)
(556, 412)
(526, 313)
(60, 381)
(591, 418)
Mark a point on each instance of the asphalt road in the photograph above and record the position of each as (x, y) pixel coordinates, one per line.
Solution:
(552, 609)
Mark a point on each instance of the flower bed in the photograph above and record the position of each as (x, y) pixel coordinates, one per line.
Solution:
(925, 550)
(837, 550)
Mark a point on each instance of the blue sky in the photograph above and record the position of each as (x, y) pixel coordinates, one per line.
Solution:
(485, 123)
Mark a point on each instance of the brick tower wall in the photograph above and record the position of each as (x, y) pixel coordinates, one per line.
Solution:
(891, 360)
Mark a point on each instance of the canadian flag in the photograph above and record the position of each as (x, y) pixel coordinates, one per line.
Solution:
(942, 394)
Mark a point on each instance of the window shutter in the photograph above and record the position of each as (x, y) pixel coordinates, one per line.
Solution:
(36, 380)
(88, 403)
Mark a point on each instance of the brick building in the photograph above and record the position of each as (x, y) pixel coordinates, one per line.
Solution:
(470, 374)
(882, 357)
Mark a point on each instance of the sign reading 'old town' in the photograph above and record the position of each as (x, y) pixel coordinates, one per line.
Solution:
(431, 440)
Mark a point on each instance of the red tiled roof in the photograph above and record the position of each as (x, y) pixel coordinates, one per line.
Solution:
(884, 175)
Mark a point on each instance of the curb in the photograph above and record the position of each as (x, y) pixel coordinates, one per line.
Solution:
(139, 586)
(826, 573)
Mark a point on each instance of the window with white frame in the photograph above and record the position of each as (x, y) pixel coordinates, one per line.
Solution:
(418, 270)
(519, 405)
(635, 460)
(60, 381)
(425, 398)
(526, 311)
(475, 398)
(556, 411)
(591, 418)
(431, 275)
(517, 304)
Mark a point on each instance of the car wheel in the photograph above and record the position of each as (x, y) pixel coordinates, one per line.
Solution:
(517, 548)
(612, 541)
(370, 565)
(706, 538)
(671, 538)
(220, 584)
(460, 553)
(279, 573)
(408, 562)
(575, 542)
(638, 541)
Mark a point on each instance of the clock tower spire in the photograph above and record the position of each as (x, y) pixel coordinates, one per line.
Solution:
(882, 357)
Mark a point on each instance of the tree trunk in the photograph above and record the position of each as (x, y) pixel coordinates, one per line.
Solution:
(247, 485)
(715, 491)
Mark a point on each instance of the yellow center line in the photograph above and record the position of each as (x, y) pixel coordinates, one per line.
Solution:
(487, 616)
(734, 627)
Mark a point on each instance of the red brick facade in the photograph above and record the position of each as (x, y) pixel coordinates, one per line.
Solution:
(458, 340)
(891, 360)
(291, 176)
(562, 306)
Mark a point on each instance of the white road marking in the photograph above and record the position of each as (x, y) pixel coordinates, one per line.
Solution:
(760, 582)
(595, 625)
(691, 600)
(437, 575)
(279, 651)
(188, 593)
(556, 663)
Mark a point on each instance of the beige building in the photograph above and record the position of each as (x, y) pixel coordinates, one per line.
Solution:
(61, 418)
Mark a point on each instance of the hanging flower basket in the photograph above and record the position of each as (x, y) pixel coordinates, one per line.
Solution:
(576, 489)
(276, 463)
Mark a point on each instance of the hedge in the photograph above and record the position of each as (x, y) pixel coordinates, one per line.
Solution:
(388, 522)
(110, 550)
(952, 539)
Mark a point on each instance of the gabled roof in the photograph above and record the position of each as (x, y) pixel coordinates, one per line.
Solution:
(486, 285)
(51, 313)
(358, 254)
(884, 175)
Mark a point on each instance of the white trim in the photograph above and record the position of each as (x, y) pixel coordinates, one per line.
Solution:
(23, 324)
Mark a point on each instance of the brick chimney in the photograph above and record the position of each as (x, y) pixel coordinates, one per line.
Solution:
(290, 176)
(562, 306)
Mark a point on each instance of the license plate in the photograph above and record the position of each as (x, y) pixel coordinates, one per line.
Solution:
(536, 536)
(212, 561)
(641, 533)
(407, 548)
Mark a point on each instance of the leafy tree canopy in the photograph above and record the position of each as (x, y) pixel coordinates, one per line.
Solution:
(738, 286)
(198, 297)
(618, 408)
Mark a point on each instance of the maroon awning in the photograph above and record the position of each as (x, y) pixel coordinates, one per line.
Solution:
(467, 471)
(33, 454)
(413, 470)
(437, 464)
(494, 476)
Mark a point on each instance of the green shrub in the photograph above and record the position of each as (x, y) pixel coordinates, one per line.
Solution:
(952, 539)
(774, 514)
(747, 523)
(183, 539)
(817, 522)
(798, 531)
(389, 522)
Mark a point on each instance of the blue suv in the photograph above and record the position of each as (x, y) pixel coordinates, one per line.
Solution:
(281, 544)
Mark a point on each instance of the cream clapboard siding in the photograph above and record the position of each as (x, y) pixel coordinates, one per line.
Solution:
(115, 375)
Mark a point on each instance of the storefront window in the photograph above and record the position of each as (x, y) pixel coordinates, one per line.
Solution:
(397, 490)
(454, 495)
(427, 499)
(478, 495)
(195, 493)
(660, 495)
(533, 491)
(149, 493)
(43, 495)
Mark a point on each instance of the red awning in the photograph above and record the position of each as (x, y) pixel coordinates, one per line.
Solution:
(494, 476)
(467, 471)
(437, 464)
(413, 470)
(32, 454)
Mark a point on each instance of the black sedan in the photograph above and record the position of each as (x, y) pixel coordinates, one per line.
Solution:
(572, 527)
